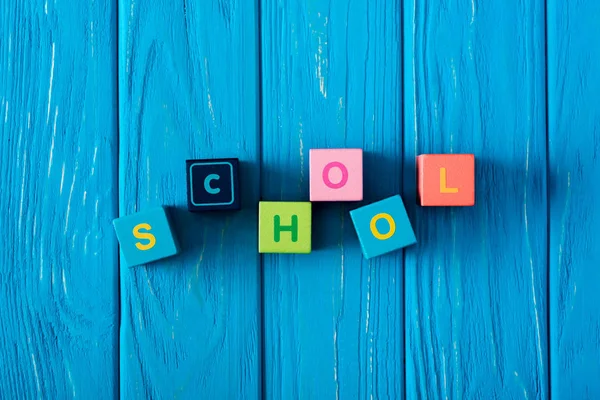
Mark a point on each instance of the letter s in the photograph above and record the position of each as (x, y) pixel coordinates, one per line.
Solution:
(142, 235)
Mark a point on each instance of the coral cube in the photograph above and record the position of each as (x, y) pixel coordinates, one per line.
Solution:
(446, 179)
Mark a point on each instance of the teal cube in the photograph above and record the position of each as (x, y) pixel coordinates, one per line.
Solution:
(145, 236)
(383, 227)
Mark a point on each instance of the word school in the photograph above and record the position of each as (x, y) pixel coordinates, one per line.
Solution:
(286, 226)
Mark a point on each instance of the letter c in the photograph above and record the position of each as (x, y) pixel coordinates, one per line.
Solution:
(144, 235)
(342, 168)
(207, 187)
(389, 220)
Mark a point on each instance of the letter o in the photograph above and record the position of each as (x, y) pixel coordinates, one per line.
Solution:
(207, 187)
(342, 168)
(389, 220)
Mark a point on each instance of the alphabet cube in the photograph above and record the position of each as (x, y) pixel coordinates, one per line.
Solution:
(446, 179)
(284, 227)
(145, 236)
(213, 184)
(383, 227)
(336, 174)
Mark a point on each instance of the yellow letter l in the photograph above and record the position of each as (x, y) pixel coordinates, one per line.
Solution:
(443, 188)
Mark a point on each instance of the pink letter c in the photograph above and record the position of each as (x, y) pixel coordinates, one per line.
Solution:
(342, 168)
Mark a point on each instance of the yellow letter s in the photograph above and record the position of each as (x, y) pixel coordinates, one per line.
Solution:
(142, 235)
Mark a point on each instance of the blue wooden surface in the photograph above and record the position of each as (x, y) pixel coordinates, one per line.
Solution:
(574, 172)
(476, 283)
(97, 119)
(58, 178)
(188, 81)
(331, 78)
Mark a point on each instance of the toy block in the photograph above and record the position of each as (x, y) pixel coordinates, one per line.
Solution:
(336, 174)
(446, 179)
(145, 236)
(213, 184)
(383, 227)
(284, 227)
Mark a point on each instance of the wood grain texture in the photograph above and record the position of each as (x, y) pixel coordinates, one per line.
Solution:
(189, 89)
(331, 78)
(574, 169)
(58, 256)
(476, 283)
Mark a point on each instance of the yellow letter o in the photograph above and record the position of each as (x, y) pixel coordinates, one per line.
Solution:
(389, 220)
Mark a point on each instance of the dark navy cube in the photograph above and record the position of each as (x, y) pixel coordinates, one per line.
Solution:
(213, 184)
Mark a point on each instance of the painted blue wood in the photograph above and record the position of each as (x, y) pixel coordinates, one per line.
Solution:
(331, 78)
(188, 88)
(58, 254)
(477, 289)
(476, 282)
(574, 170)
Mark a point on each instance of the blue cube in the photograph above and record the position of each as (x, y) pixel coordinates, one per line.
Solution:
(213, 184)
(145, 236)
(383, 227)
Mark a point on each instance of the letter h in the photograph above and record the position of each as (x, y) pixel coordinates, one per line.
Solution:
(286, 228)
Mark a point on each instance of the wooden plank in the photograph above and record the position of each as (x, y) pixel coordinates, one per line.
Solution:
(58, 256)
(189, 89)
(574, 137)
(476, 284)
(332, 78)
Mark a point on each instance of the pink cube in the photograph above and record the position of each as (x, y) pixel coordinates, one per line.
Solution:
(336, 175)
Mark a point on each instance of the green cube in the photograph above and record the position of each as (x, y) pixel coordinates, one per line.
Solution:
(284, 227)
